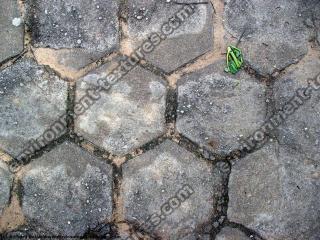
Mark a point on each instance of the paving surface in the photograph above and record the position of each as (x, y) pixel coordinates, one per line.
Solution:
(124, 125)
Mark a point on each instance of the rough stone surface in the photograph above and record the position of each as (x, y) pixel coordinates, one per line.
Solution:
(126, 116)
(5, 185)
(215, 109)
(228, 233)
(11, 34)
(301, 131)
(192, 39)
(91, 26)
(151, 180)
(275, 32)
(67, 191)
(275, 191)
(31, 99)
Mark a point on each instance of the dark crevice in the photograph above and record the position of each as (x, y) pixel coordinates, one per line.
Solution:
(150, 67)
(171, 106)
(70, 107)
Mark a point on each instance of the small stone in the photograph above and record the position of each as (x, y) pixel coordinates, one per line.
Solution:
(16, 22)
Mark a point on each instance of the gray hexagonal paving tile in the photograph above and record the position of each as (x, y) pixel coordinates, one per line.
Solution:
(192, 39)
(275, 32)
(301, 131)
(275, 191)
(128, 115)
(215, 109)
(31, 99)
(11, 34)
(5, 185)
(228, 233)
(92, 27)
(67, 191)
(156, 178)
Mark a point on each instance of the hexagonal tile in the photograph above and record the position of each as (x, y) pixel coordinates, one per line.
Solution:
(80, 31)
(31, 99)
(169, 192)
(275, 192)
(128, 115)
(215, 108)
(301, 129)
(11, 34)
(67, 191)
(192, 39)
(5, 185)
(275, 33)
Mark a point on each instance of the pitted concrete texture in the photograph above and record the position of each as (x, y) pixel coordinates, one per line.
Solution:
(67, 191)
(190, 37)
(170, 174)
(215, 109)
(275, 192)
(12, 28)
(275, 34)
(31, 100)
(128, 115)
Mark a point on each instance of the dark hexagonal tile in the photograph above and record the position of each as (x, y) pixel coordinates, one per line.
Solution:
(170, 193)
(67, 191)
(11, 34)
(275, 32)
(31, 99)
(275, 192)
(126, 116)
(193, 38)
(215, 108)
(92, 27)
(301, 128)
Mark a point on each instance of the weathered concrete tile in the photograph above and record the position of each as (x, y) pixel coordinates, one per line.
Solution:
(228, 233)
(11, 34)
(126, 116)
(192, 39)
(67, 191)
(275, 36)
(92, 27)
(215, 109)
(275, 192)
(300, 129)
(69, 63)
(5, 185)
(30, 101)
(171, 174)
